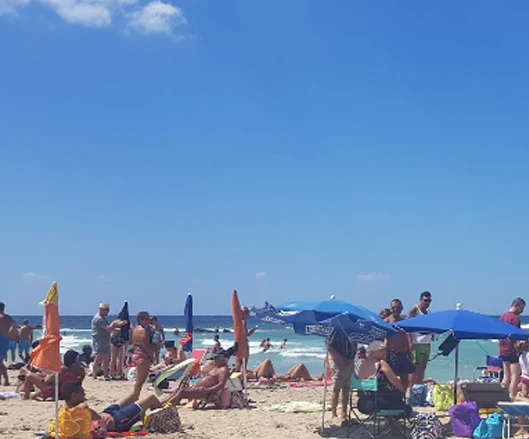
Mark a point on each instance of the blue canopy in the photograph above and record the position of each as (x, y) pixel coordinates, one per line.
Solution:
(321, 318)
(465, 325)
(188, 321)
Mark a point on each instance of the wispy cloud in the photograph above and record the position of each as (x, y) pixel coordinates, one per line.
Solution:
(146, 17)
(157, 17)
(372, 277)
(102, 278)
(261, 274)
(32, 277)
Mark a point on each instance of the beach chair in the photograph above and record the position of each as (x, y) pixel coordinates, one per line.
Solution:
(378, 422)
(515, 414)
(486, 394)
(492, 371)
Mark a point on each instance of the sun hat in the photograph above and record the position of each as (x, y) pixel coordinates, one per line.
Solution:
(104, 305)
(375, 346)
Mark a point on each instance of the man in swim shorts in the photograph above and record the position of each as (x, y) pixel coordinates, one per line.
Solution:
(26, 338)
(120, 416)
(420, 354)
(6, 326)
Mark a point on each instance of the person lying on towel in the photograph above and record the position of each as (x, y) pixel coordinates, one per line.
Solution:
(120, 416)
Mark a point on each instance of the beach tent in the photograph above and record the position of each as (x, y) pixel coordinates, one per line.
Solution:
(47, 356)
(187, 341)
(463, 325)
(324, 317)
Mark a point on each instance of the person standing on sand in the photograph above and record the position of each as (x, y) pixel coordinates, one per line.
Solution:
(421, 342)
(508, 352)
(14, 338)
(26, 338)
(342, 353)
(399, 347)
(101, 331)
(245, 317)
(6, 326)
(144, 351)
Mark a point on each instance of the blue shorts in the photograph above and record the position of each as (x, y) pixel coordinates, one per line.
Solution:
(4, 346)
(24, 345)
(124, 417)
(12, 345)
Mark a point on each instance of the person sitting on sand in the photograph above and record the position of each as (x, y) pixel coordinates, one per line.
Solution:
(266, 374)
(390, 390)
(86, 357)
(40, 385)
(174, 356)
(214, 381)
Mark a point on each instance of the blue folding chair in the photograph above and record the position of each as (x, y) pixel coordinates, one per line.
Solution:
(513, 411)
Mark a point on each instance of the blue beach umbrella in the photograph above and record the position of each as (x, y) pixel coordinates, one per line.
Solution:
(188, 320)
(320, 318)
(463, 325)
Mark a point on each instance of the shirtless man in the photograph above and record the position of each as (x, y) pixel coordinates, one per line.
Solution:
(6, 326)
(212, 383)
(26, 338)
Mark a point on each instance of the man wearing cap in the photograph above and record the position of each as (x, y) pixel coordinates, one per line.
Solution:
(101, 331)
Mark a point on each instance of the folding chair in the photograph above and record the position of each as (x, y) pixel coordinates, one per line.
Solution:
(491, 372)
(381, 420)
(486, 395)
(513, 411)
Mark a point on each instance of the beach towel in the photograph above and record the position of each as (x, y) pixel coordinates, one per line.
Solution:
(295, 407)
(8, 395)
(426, 426)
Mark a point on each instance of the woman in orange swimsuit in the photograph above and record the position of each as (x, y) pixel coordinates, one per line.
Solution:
(144, 350)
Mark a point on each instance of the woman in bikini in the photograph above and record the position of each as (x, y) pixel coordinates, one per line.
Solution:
(144, 350)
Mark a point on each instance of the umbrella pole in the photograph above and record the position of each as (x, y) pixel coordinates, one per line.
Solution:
(456, 373)
(245, 393)
(56, 405)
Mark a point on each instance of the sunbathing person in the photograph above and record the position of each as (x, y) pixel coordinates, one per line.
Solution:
(174, 356)
(120, 416)
(41, 385)
(214, 381)
(265, 373)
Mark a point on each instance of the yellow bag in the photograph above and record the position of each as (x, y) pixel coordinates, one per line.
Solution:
(74, 423)
(443, 397)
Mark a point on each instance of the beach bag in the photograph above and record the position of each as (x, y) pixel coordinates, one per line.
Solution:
(426, 426)
(74, 423)
(464, 418)
(490, 428)
(164, 420)
(442, 397)
(418, 395)
(238, 401)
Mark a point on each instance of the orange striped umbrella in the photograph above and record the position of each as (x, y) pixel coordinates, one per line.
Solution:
(239, 328)
(46, 355)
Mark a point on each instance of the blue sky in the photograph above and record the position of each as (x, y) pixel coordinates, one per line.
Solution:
(291, 150)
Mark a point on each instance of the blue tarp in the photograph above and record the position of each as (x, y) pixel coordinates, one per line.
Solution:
(188, 320)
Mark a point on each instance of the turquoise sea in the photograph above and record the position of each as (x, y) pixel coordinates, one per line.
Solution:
(300, 348)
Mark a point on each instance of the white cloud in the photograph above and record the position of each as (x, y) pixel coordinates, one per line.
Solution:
(85, 13)
(154, 17)
(11, 6)
(371, 277)
(30, 276)
(157, 17)
(102, 278)
(261, 274)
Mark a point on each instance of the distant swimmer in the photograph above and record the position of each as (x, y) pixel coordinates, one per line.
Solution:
(283, 344)
(266, 345)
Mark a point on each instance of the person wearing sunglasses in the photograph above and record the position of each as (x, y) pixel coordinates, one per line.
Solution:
(421, 350)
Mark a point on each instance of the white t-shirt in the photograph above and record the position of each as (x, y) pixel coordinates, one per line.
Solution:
(419, 337)
(524, 364)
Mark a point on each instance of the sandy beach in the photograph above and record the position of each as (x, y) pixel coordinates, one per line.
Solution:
(23, 419)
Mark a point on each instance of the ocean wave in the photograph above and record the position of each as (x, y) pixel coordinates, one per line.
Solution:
(302, 354)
